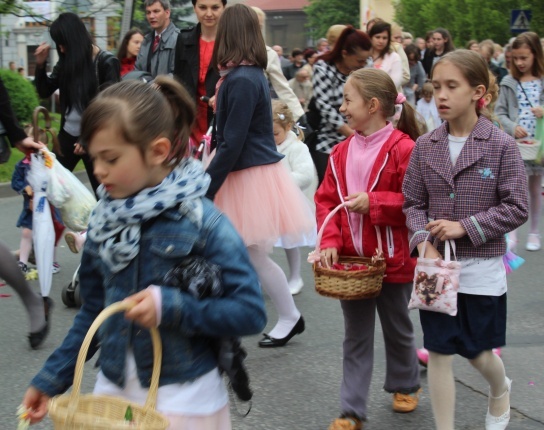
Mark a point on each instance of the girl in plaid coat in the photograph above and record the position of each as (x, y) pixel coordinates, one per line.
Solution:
(466, 181)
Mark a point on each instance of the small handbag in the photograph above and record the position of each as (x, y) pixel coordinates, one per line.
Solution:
(436, 282)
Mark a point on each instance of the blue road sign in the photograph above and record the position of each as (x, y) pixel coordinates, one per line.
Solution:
(520, 20)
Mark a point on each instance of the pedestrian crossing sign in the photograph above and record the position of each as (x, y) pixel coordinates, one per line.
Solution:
(520, 20)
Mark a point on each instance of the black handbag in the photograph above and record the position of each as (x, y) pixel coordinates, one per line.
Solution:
(201, 279)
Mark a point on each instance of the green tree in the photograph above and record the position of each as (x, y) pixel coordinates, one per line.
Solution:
(324, 13)
(466, 19)
(22, 94)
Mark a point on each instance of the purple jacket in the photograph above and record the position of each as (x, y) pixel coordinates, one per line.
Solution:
(486, 191)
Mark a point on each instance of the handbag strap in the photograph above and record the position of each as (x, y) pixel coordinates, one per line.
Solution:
(524, 93)
(449, 246)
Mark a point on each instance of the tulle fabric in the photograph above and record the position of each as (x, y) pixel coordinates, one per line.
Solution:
(218, 421)
(265, 204)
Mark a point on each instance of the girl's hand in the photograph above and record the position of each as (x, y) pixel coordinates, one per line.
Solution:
(359, 203)
(144, 312)
(42, 53)
(329, 257)
(28, 191)
(520, 132)
(36, 403)
(430, 251)
(444, 230)
(538, 111)
(78, 149)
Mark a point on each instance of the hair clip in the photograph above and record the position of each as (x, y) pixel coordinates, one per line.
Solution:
(281, 116)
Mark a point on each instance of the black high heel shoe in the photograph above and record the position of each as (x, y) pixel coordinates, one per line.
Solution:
(271, 342)
(36, 338)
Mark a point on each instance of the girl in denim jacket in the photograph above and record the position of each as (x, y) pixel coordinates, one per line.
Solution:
(152, 214)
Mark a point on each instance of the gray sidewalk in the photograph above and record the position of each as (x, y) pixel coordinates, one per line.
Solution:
(296, 387)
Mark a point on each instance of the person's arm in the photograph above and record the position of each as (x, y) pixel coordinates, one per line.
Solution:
(396, 69)
(416, 201)
(324, 84)
(502, 107)
(47, 85)
(239, 311)
(7, 117)
(281, 85)
(302, 169)
(385, 207)
(405, 66)
(242, 96)
(512, 211)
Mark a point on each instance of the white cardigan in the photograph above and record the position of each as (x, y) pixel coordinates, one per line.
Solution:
(299, 162)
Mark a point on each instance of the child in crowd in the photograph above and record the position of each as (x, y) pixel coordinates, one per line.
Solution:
(426, 107)
(367, 171)
(20, 184)
(521, 102)
(299, 162)
(248, 181)
(152, 214)
(465, 182)
(487, 109)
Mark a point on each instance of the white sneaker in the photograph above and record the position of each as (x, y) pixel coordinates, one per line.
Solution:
(296, 286)
(533, 242)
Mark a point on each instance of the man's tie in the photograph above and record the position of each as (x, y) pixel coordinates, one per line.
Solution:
(156, 42)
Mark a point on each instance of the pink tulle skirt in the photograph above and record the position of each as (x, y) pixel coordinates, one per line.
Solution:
(265, 205)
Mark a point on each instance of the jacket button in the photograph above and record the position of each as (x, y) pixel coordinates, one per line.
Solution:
(169, 248)
(452, 195)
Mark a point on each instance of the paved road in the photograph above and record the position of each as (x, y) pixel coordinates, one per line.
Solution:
(296, 387)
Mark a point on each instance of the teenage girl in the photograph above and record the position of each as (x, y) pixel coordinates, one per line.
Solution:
(129, 50)
(249, 183)
(466, 182)
(383, 55)
(152, 214)
(367, 170)
(521, 102)
(299, 162)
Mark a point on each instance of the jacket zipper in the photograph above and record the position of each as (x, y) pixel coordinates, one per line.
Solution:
(390, 241)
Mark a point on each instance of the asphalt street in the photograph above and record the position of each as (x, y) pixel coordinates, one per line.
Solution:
(296, 387)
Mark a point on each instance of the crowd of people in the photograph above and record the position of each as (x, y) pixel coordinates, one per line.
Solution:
(417, 139)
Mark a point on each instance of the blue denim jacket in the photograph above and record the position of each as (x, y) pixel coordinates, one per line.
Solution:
(187, 323)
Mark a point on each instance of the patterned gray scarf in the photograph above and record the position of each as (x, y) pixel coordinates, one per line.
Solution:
(115, 224)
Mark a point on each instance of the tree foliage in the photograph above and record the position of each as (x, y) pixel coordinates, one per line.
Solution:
(466, 19)
(324, 13)
(22, 94)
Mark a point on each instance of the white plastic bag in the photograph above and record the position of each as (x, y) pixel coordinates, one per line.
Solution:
(70, 196)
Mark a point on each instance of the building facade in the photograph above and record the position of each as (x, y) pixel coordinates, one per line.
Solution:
(20, 36)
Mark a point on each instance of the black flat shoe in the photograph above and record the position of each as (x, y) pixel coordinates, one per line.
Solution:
(271, 342)
(36, 339)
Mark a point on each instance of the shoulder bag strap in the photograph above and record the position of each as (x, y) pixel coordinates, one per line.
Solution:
(524, 93)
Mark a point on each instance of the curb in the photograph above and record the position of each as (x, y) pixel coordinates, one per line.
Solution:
(7, 191)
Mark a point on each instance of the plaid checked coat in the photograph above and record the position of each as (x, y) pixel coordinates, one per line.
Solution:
(486, 190)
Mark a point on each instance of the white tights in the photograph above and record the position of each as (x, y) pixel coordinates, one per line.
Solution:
(274, 282)
(442, 386)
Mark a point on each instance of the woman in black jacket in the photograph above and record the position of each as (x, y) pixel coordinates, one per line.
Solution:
(193, 66)
(82, 71)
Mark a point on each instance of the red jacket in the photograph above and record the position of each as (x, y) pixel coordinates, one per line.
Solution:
(386, 199)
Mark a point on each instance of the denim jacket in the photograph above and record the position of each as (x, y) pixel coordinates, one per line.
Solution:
(187, 323)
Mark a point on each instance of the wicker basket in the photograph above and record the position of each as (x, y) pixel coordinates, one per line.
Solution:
(352, 284)
(95, 412)
(528, 151)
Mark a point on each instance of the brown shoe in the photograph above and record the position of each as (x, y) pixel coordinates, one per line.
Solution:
(405, 403)
(346, 423)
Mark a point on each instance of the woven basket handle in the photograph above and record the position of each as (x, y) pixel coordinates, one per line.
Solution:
(315, 256)
(78, 375)
(47, 128)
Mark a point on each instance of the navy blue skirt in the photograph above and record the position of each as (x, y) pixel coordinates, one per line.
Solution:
(480, 325)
